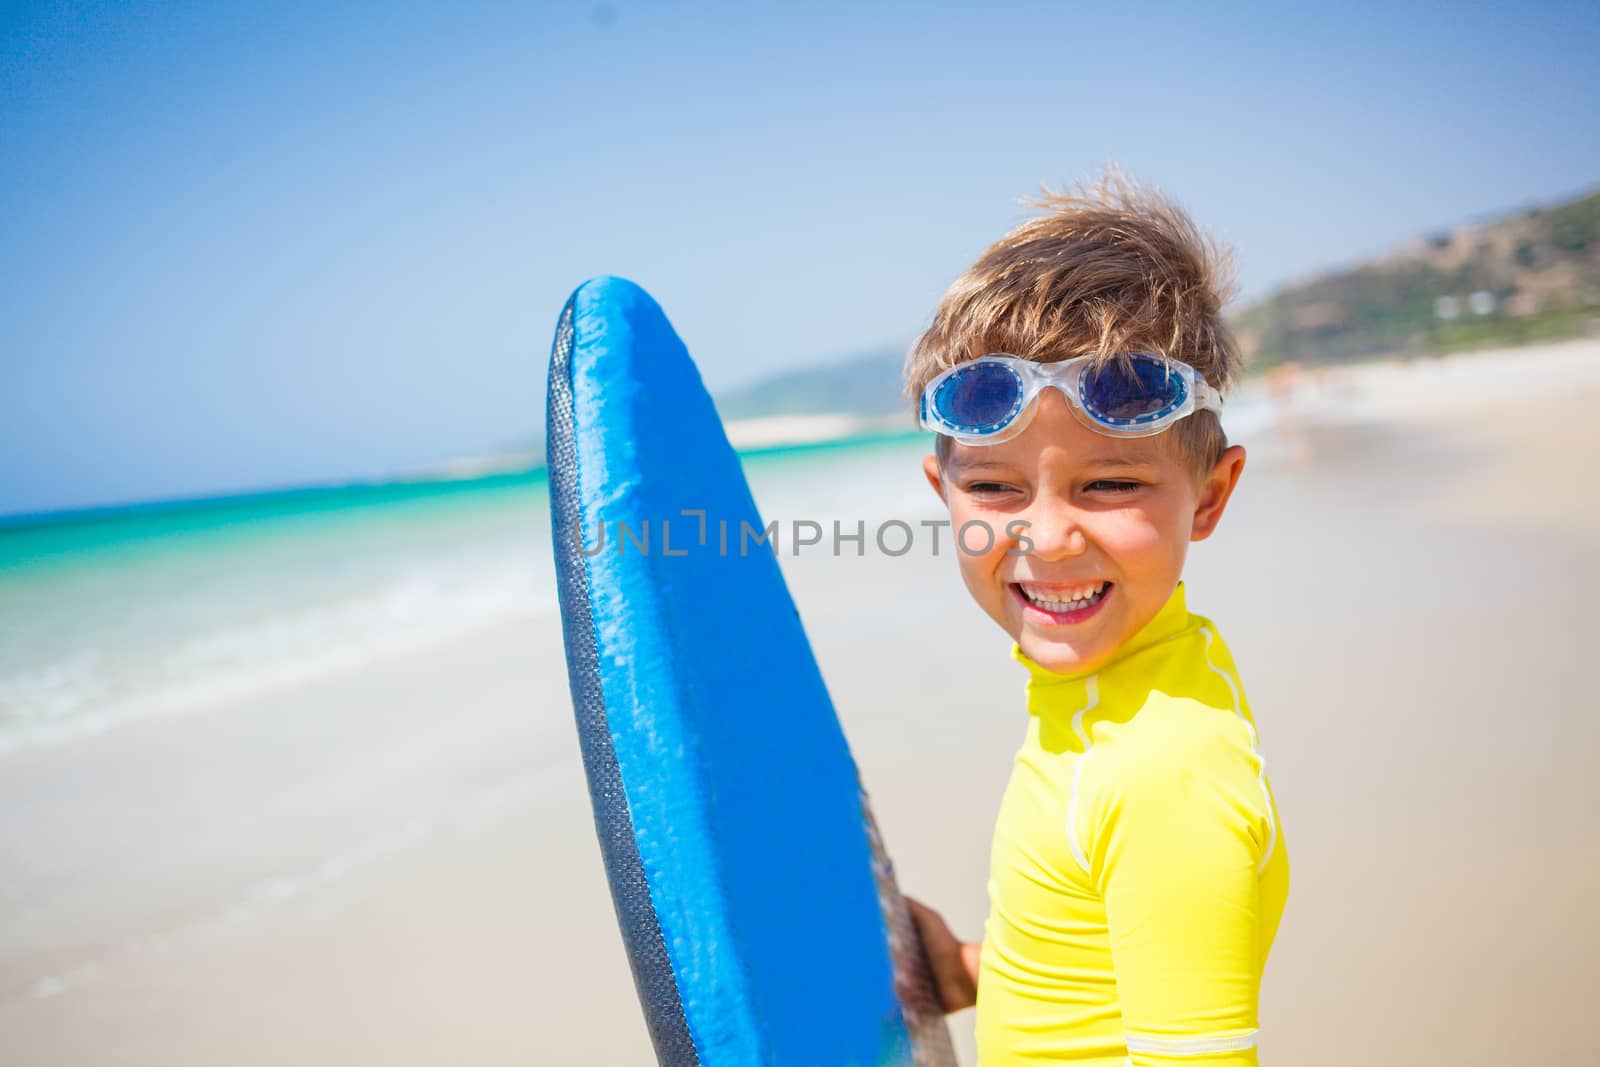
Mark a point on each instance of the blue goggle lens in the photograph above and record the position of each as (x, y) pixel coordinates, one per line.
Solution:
(981, 398)
(1126, 392)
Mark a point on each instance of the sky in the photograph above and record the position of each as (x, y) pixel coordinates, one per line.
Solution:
(268, 245)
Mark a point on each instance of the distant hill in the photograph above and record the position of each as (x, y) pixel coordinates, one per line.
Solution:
(866, 384)
(1529, 277)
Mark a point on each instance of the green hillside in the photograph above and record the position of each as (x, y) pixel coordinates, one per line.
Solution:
(1531, 277)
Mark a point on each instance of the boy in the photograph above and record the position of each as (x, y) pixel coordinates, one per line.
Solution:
(1138, 869)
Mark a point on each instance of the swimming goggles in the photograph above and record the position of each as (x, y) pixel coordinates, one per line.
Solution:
(991, 399)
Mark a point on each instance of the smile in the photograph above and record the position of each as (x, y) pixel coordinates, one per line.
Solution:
(1061, 604)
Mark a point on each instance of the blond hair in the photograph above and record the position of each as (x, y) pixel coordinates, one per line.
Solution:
(1109, 268)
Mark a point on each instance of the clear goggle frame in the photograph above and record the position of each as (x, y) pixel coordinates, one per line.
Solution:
(991, 399)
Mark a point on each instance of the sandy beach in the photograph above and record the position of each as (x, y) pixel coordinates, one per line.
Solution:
(397, 864)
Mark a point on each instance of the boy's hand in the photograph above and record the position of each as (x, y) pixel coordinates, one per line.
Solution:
(954, 963)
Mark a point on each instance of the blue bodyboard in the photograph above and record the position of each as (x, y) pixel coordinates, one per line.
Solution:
(758, 908)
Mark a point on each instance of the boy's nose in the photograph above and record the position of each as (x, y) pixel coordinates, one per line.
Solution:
(1055, 534)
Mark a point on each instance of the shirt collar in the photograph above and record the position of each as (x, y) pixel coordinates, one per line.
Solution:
(1046, 688)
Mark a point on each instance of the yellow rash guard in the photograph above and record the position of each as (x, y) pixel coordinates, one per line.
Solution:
(1139, 870)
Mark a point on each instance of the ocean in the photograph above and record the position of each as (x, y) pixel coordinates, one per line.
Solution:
(167, 608)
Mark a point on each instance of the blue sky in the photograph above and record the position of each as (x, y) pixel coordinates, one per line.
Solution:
(251, 247)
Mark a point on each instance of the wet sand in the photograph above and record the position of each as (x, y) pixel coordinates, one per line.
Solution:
(398, 865)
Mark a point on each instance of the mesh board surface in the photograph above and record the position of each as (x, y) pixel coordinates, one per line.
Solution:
(647, 955)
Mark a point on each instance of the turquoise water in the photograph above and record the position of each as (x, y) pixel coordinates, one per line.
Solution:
(126, 613)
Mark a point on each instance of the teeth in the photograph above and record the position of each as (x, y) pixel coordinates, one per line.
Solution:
(1071, 600)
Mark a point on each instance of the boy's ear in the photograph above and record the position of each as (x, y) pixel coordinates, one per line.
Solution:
(930, 470)
(1215, 491)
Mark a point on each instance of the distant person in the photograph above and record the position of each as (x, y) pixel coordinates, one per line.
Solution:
(1282, 383)
(1138, 869)
(1285, 383)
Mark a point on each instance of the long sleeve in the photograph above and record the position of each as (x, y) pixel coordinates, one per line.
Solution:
(1179, 834)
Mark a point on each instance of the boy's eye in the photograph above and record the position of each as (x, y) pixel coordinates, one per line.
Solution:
(987, 487)
(1114, 485)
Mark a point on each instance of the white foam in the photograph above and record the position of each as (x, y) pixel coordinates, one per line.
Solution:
(87, 691)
